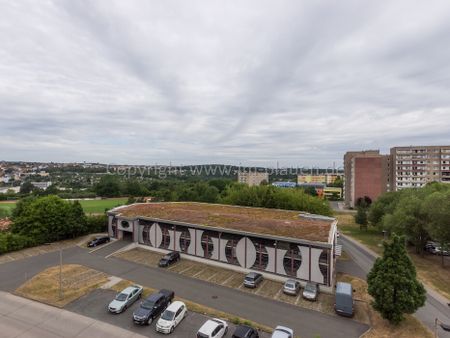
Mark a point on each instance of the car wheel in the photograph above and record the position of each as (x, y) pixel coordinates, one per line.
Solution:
(150, 320)
(124, 308)
(171, 329)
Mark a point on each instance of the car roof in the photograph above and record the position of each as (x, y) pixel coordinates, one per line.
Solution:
(130, 289)
(282, 331)
(175, 306)
(253, 274)
(210, 326)
(155, 296)
(342, 287)
(242, 330)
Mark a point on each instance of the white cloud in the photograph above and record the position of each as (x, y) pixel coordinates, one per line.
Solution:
(253, 82)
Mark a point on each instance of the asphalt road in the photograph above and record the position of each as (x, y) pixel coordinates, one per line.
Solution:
(20, 317)
(94, 306)
(304, 322)
(110, 248)
(434, 308)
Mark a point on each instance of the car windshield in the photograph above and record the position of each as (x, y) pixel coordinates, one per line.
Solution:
(168, 315)
(166, 257)
(290, 285)
(148, 304)
(310, 288)
(121, 297)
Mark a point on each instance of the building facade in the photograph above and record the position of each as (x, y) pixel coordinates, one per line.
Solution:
(325, 179)
(253, 178)
(414, 167)
(279, 256)
(366, 174)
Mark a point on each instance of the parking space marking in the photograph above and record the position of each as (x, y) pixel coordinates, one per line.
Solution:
(227, 280)
(258, 290)
(298, 298)
(187, 269)
(212, 276)
(198, 273)
(277, 296)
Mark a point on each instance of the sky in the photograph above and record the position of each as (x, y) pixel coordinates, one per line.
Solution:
(296, 83)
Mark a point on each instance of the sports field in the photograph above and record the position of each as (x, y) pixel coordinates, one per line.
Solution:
(89, 206)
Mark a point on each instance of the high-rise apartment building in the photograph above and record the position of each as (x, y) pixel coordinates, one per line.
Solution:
(366, 174)
(415, 166)
(253, 178)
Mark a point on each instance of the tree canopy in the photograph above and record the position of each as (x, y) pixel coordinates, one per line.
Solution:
(393, 284)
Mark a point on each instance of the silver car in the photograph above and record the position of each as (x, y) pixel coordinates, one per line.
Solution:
(252, 279)
(291, 287)
(125, 299)
(311, 291)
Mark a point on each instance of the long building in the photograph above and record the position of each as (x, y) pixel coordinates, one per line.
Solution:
(415, 166)
(369, 173)
(279, 243)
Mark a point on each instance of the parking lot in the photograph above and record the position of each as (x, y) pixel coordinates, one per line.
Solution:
(229, 278)
(94, 306)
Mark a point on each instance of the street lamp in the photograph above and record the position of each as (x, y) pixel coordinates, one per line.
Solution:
(445, 327)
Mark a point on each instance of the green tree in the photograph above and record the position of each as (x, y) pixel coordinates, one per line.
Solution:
(109, 186)
(437, 206)
(76, 223)
(48, 219)
(361, 216)
(26, 187)
(409, 219)
(393, 284)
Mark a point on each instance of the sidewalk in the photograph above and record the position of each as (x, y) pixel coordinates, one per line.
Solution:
(22, 317)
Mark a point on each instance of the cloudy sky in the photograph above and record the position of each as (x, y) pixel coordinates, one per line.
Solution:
(251, 82)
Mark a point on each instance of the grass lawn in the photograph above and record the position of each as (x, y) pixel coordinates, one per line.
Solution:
(89, 206)
(99, 206)
(77, 281)
(6, 208)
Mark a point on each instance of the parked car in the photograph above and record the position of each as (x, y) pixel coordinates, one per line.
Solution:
(282, 332)
(245, 331)
(291, 287)
(98, 241)
(169, 259)
(311, 291)
(344, 304)
(152, 307)
(213, 328)
(171, 317)
(252, 279)
(125, 298)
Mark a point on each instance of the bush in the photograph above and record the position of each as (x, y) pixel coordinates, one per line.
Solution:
(12, 242)
(97, 223)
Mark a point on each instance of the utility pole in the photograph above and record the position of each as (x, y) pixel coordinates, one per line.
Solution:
(60, 275)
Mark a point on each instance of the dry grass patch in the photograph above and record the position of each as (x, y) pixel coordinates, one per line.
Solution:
(77, 280)
(432, 273)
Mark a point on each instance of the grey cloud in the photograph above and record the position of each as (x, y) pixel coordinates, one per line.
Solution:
(213, 81)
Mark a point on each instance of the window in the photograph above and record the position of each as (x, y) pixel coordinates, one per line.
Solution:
(207, 243)
(185, 239)
(292, 259)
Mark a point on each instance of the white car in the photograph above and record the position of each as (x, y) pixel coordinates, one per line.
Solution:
(213, 328)
(125, 298)
(171, 317)
(282, 332)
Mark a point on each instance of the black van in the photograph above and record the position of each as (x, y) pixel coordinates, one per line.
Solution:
(344, 304)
